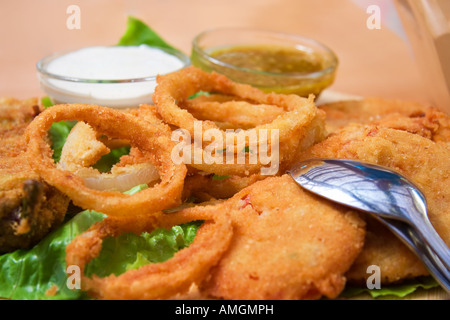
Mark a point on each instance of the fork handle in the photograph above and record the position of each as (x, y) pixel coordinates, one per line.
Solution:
(427, 233)
(414, 241)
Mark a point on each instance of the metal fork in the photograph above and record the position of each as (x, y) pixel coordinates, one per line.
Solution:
(385, 194)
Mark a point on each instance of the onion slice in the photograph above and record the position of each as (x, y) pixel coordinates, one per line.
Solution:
(82, 149)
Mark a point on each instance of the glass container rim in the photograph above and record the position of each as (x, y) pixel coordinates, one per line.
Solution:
(302, 40)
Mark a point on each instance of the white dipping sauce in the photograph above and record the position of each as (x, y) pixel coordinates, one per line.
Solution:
(108, 63)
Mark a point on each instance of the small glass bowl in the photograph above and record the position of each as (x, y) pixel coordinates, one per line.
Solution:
(300, 83)
(120, 93)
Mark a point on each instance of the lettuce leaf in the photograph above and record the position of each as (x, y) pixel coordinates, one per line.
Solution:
(29, 274)
(393, 291)
(199, 93)
(108, 160)
(130, 251)
(46, 102)
(32, 274)
(219, 177)
(58, 135)
(58, 131)
(138, 33)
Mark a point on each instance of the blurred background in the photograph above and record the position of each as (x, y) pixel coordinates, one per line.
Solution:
(373, 62)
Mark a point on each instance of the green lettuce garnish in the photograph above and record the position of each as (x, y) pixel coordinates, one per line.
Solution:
(108, 160)
(393, 291)
(138, 33)
(130, 251)
(58, 135)
(46, 102)
(219, 177)
(199, 93)
(246, 149)
(29, 274)
(58, 131)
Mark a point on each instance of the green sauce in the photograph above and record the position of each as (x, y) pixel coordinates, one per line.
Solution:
(274, 59)
(271, 68)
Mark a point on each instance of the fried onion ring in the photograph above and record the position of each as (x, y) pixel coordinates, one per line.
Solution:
(159, 280)
(151, 139)
(291, 125)
(227, 112)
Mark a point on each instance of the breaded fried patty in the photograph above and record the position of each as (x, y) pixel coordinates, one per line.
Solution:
(413, 117)
(287, 244)
(29, 207)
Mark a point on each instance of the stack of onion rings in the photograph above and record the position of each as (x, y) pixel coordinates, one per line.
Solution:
(160, 280)
(292, 124)
(151, 139)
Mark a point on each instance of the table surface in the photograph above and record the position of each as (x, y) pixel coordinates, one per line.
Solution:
(375, 62)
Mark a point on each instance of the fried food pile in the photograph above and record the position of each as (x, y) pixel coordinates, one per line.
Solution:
(227, 146)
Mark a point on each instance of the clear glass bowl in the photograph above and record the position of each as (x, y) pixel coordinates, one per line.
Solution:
(114, 93)
(302, 83)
